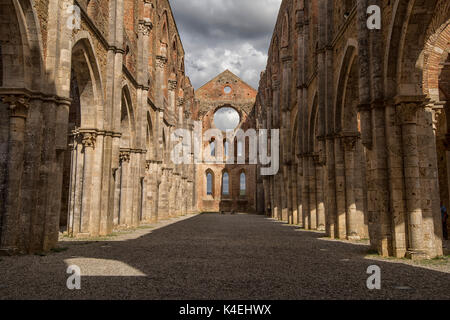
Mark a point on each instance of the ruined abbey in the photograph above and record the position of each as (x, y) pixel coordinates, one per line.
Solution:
(93, 93)
(362, 114)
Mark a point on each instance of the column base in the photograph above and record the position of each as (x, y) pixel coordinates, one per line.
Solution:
(354, 238)
(416, 255)
(82, 235)
(9, 251)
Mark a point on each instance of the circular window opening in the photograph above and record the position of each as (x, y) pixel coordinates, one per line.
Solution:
(226, 119)
(227, 89)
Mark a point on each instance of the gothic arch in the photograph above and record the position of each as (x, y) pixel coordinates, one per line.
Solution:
(210, 183)
(404, 56)
(150, 137)
(21, 42)
(127, 120)
(311, 123)
(436, 54)
(88, 81)
(164, 35)
(348, 66)
(226, 175)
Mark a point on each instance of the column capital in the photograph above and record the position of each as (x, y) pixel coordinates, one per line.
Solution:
(144, 27)
(161, 61)
(173, 84)
(349, 142)
(88, 139)
(407, 107)
(148, 165)
(18, 104)
(124, 156)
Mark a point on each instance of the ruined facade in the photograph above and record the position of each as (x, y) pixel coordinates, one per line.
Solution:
(91, 92)
(363, 119)
(226, 178)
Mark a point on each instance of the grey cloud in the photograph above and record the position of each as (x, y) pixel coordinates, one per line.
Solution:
(226, 119)
(231, 34)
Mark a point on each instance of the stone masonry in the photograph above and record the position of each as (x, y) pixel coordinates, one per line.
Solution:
(90, 94)
(363, 119)
(209, 98)
(93, 93)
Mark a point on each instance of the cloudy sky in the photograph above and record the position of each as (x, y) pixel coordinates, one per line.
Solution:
(226, 119)
(225, 34)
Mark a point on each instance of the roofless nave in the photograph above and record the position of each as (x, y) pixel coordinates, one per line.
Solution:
(89, 107)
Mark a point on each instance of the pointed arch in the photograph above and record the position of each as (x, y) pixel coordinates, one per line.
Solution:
(87, 79)
(242, 183)
(225, 183)
(313, 121)
(21, 45)
(127, 120)
(346, 67)
(209, 179)
(404, 56)
(164, 34)
(150, 137)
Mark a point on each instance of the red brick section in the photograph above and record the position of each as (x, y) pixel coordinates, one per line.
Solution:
(211, 97)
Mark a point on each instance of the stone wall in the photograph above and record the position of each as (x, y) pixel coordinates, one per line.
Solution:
(88, 112)
(359, 154)
(209, 98)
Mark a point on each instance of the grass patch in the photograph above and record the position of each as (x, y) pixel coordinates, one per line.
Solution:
(59, 249)
(96, 239)
(145, 227)
(438, 261)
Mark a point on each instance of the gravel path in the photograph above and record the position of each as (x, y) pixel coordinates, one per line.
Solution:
(215, 256)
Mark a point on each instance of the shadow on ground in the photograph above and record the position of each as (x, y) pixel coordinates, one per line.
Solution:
(213, 256)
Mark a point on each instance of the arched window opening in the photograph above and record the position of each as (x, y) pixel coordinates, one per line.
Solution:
(226, 148)
(243, 187)
(240, 149)
(226, 184)
(209, 184)
(212, 146)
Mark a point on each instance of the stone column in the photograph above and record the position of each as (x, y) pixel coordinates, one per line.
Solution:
(161, 82)
(299, 177)
(340, 189)
(407, 117)
(163, 203)
(312, 194)
(118, 175)
(172, 86)
(96, 197)
(330, 209)
(293, 174)
(352, 221)
(320, 206)
(430, 195)
(285, 195)
(305, 193)
(124, 160)
(18, 112)
(88, 140)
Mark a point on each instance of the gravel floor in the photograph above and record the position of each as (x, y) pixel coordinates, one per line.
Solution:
(213, 256)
